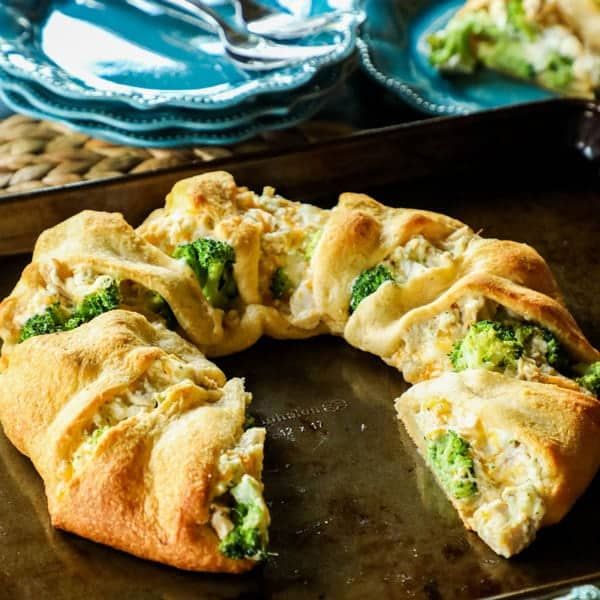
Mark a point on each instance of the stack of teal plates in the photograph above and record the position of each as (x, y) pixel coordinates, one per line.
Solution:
(112, 69)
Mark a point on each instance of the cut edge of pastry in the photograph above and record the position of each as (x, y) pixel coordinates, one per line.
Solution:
(520, 439)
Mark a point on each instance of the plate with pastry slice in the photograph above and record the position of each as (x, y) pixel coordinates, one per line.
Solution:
(452, 57)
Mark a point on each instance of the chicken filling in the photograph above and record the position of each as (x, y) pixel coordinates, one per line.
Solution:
(492, 478)
(66, 302)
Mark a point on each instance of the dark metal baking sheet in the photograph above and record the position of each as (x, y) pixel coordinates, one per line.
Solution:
(355, 512)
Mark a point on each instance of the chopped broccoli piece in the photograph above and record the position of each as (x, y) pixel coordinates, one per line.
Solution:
(94, 436)
(452, 49)
(310, 243)
(49, 321)
(281, 284)
(367, 283)
(249, 421)
(55, 318)
(450, 458)
(249, 536)
(558, 72)
(506, 56)
(157, 304)
(518, 19)
(590, 379)
(212, 262)
(95, 304)
(531, 336)
(497, 346)
(487, 345)
(555, 353)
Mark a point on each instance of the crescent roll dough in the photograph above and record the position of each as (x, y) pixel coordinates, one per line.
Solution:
(139, 438)
(76, 258)
(136, 435)
(534, 449)
(425, 335)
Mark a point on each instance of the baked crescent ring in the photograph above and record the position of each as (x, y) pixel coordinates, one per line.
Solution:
(140, 439)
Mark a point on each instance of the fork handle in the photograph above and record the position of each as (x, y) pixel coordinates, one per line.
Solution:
(206, 13)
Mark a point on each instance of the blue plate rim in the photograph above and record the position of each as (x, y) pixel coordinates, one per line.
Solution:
(140, 121)
(177, 137)
(405, 91)
(417, 87)
(61, 83)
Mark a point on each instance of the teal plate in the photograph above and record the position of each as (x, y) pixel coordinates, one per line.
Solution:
(171, 137)
(109, 50)
(125, 118)
(393, 51)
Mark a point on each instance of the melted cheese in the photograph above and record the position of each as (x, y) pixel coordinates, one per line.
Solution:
(165, 377)
(230, 467)
(508, 507)
(428, 342)
(62, 285)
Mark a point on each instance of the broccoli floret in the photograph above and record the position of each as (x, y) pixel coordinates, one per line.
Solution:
(452, 49)
(212, 262)
(506, 55)
(450, 458)
(249, 536)
(310, 243)
(92, 438)
(558, 72)
(281, 284)
(533, 336)
(518, 19)
(95, 304)
(590, 379)
(556, 355)
(55, 318)
(487, 345)
(367, 283)
(49, 321)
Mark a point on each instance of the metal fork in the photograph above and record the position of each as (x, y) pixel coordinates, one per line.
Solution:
(246, 45)
(263, 21)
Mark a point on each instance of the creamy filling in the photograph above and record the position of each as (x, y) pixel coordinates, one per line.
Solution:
(230, 469)
(533, 44)
(419, 255)
(507, 508)
(428, 343)
(70, 287)
(230, 466)
(164, 377)
(65, 286)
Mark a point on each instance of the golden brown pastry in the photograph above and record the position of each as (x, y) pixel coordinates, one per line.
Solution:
(583, 16)
(267, 233)
(425, 336)
(92, 252)
(139, 439)
(512, 456)
(323, 252)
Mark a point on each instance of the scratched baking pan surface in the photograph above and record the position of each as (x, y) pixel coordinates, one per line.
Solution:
(355, 512)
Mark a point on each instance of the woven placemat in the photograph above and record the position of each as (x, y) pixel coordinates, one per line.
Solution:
(36, 154)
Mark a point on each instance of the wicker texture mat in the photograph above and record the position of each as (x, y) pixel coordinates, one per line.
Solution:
(37, 154)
